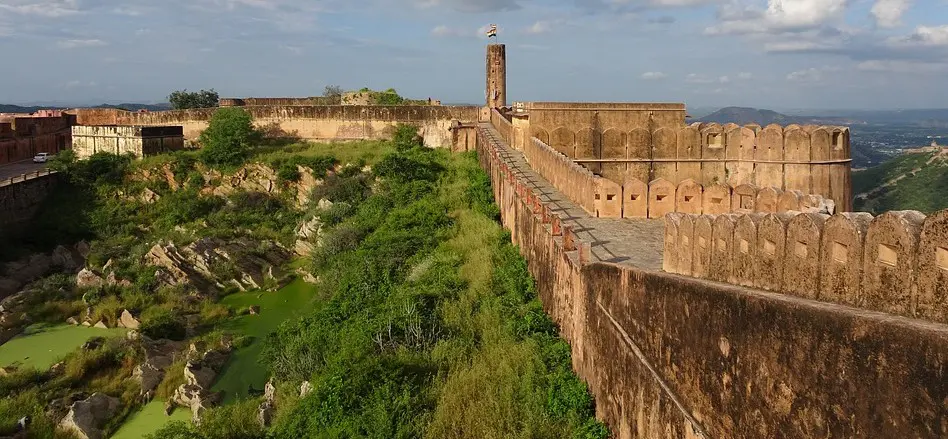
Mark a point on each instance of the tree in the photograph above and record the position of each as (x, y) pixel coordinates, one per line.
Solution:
(183, 99)
(334, 92)
(229, 137)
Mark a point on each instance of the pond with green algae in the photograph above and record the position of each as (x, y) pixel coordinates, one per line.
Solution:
(243, 370)
(149, 419)
(42, 345)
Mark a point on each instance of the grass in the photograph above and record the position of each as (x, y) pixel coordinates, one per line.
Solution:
(367, 151)
(923, 191)
(41, 346)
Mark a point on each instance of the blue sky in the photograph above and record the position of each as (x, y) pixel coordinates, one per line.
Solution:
(779, 54)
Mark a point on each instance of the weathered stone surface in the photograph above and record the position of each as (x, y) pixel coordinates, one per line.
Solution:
(767, 200)
(636, 199)
(307, 236)
(100, 325)
(86, 418)
(933, 269)
(703, 247)
(661, 198)
(671, 249)
(87, 278)
(771, 248)
(689, 197)
(890, 261)
(196, 265)
(686, 245)
(744, 199)
(721, 265)
(841, 258)
(745, 249)
(802, 255)
(127, 320)
(716, 199)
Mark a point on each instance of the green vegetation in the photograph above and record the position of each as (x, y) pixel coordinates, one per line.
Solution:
(923, 187)
(183, 99)
(229, 137)
(150, 418)
(41, 345)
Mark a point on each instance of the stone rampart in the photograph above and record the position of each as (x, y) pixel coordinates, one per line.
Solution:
(895, 263)
(672, 356)
(21, 197)
(124, 139)
(24, 137)
(326, 122)
(647, 144)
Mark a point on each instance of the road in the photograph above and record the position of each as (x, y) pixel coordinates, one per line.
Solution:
(19, 168)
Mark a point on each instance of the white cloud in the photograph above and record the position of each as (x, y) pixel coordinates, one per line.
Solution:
(811, 75)
(75, 44)
(780, 16)
(924, 36)
(44, 8)
(697, 78)
(540, 27)
(902, 66)
(654, 75)
(888, 13)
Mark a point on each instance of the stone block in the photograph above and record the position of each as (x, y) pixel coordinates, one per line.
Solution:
(933, 269)
(744, 199)
(716, 199)
(741, 143)
(661, 198)
(703, 247)
(614, 147)
(770, 150)
(665, 152)
(789, 200)
(797, 149)
(671, 248)
(802, 255)
(721, 264)
(639, 147)
(767, 200)
(686, 244)
(820, 152)
(608, 198)
(744, 249)
(688, 197)
(713, 153)
(841, 258)
(771, 247)
(890, 261)
(635, 194)
(689, 152)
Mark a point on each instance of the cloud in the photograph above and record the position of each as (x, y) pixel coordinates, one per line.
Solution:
(75, 83)
(888, 13)
(76, 44)
(698, 78)
(43, 8)
(540, 27)
(472, 6)
(902, 66)
(811, 75)
(745, 75)
(654, 75)
(924, 36)
(664, 19)
(781, 16)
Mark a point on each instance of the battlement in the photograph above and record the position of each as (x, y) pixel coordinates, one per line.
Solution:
(896, 262)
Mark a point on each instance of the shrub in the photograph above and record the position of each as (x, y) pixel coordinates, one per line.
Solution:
(229, 137)
(160, 323)
(406, 137)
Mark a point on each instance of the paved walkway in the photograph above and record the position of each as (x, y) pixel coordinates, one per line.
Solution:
(636, 242)
(19, 168)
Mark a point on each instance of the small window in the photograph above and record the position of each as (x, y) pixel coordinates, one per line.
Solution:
(716, 200)
(610, 197)
(801, 250)
(660, 197)
(941, 258)
(715, 140)
(721, 245)
(688, 198)
(888, 255)
(747, 202)
(634, 197)
(745, 247)
(840, 253)
(598, 197)
(770, 247)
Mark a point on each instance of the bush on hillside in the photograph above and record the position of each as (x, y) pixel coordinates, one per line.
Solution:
(161, 323)
(229, 137)
(99, 169)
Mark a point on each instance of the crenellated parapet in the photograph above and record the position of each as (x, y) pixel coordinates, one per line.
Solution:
(895, 263)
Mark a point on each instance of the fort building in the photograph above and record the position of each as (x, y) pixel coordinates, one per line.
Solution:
(139, 141)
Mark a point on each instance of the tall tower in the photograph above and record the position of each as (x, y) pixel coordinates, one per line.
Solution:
(496, 76)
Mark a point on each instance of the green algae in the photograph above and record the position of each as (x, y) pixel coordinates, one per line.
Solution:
(42, 345)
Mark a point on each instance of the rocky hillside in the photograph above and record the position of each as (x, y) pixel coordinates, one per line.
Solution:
(913, 181)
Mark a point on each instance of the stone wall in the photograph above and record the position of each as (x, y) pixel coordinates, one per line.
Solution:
(678, 357)
(646, 142)
(309, 122)
(21, 198)
(253, 102)
(24, 137)
(895, 263)
(137, 140)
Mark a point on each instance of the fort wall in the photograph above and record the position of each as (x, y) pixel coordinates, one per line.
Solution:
(136, 140)
(672, 356)
(21, 198)
(650, 141)
(895, 263)
(318, 123)
(23, 137)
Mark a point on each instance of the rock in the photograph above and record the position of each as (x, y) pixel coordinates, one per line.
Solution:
(305, 186)
(133, 335)
(305, 389)
(254, 310)
(149, 196)
(265, 413)
(83, 248)
(107, 266)
(324, 204)
(197, 265)
(87, 278)
(58, 368)
(86, 418)
(93, 343)
(199, 376)
(127, 320)
(87, 323)
(8, 370)
(101, 325)
(68, 260)
(169, 407)
(307, 235)
(72, 321)
(149, 376)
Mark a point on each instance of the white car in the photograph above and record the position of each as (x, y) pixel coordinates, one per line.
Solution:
(42, 157)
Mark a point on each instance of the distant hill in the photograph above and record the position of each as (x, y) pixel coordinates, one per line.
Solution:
(911, 181)
(745, 115)
(6, 108)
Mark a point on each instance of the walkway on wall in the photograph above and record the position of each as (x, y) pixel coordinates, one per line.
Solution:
(636, 242)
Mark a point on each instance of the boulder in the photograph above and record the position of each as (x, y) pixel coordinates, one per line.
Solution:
(254, 310)
(195, 374)
(268, 406)
(148, 196)
(324, 204)
(93, 344)
(72, 321)
(307, 235)
(87, 278)
(100, 325)
(87, 417)
(305, 389)
(127, 320)
(68, 260)
(149, 376)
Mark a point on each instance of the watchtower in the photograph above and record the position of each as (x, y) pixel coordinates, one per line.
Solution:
(496, 76)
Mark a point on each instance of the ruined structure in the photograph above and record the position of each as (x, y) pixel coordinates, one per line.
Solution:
(139, 141)
(758, 306)
(24, 135)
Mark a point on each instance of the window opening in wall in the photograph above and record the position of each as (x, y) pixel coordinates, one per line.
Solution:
(747, 202)
(721, 245)
(634, 197)
(941, 258)
(840, 253)
(716, 200)
(688, 198)
(715, 140)
(610, 197)
(745, 247)
(703, 243)
(598, 197)
(770, 247)
(837, 140)
(660, 197)
(888, 255)
(801, 250)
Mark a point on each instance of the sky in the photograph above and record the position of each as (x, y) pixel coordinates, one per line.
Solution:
(778, 54)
